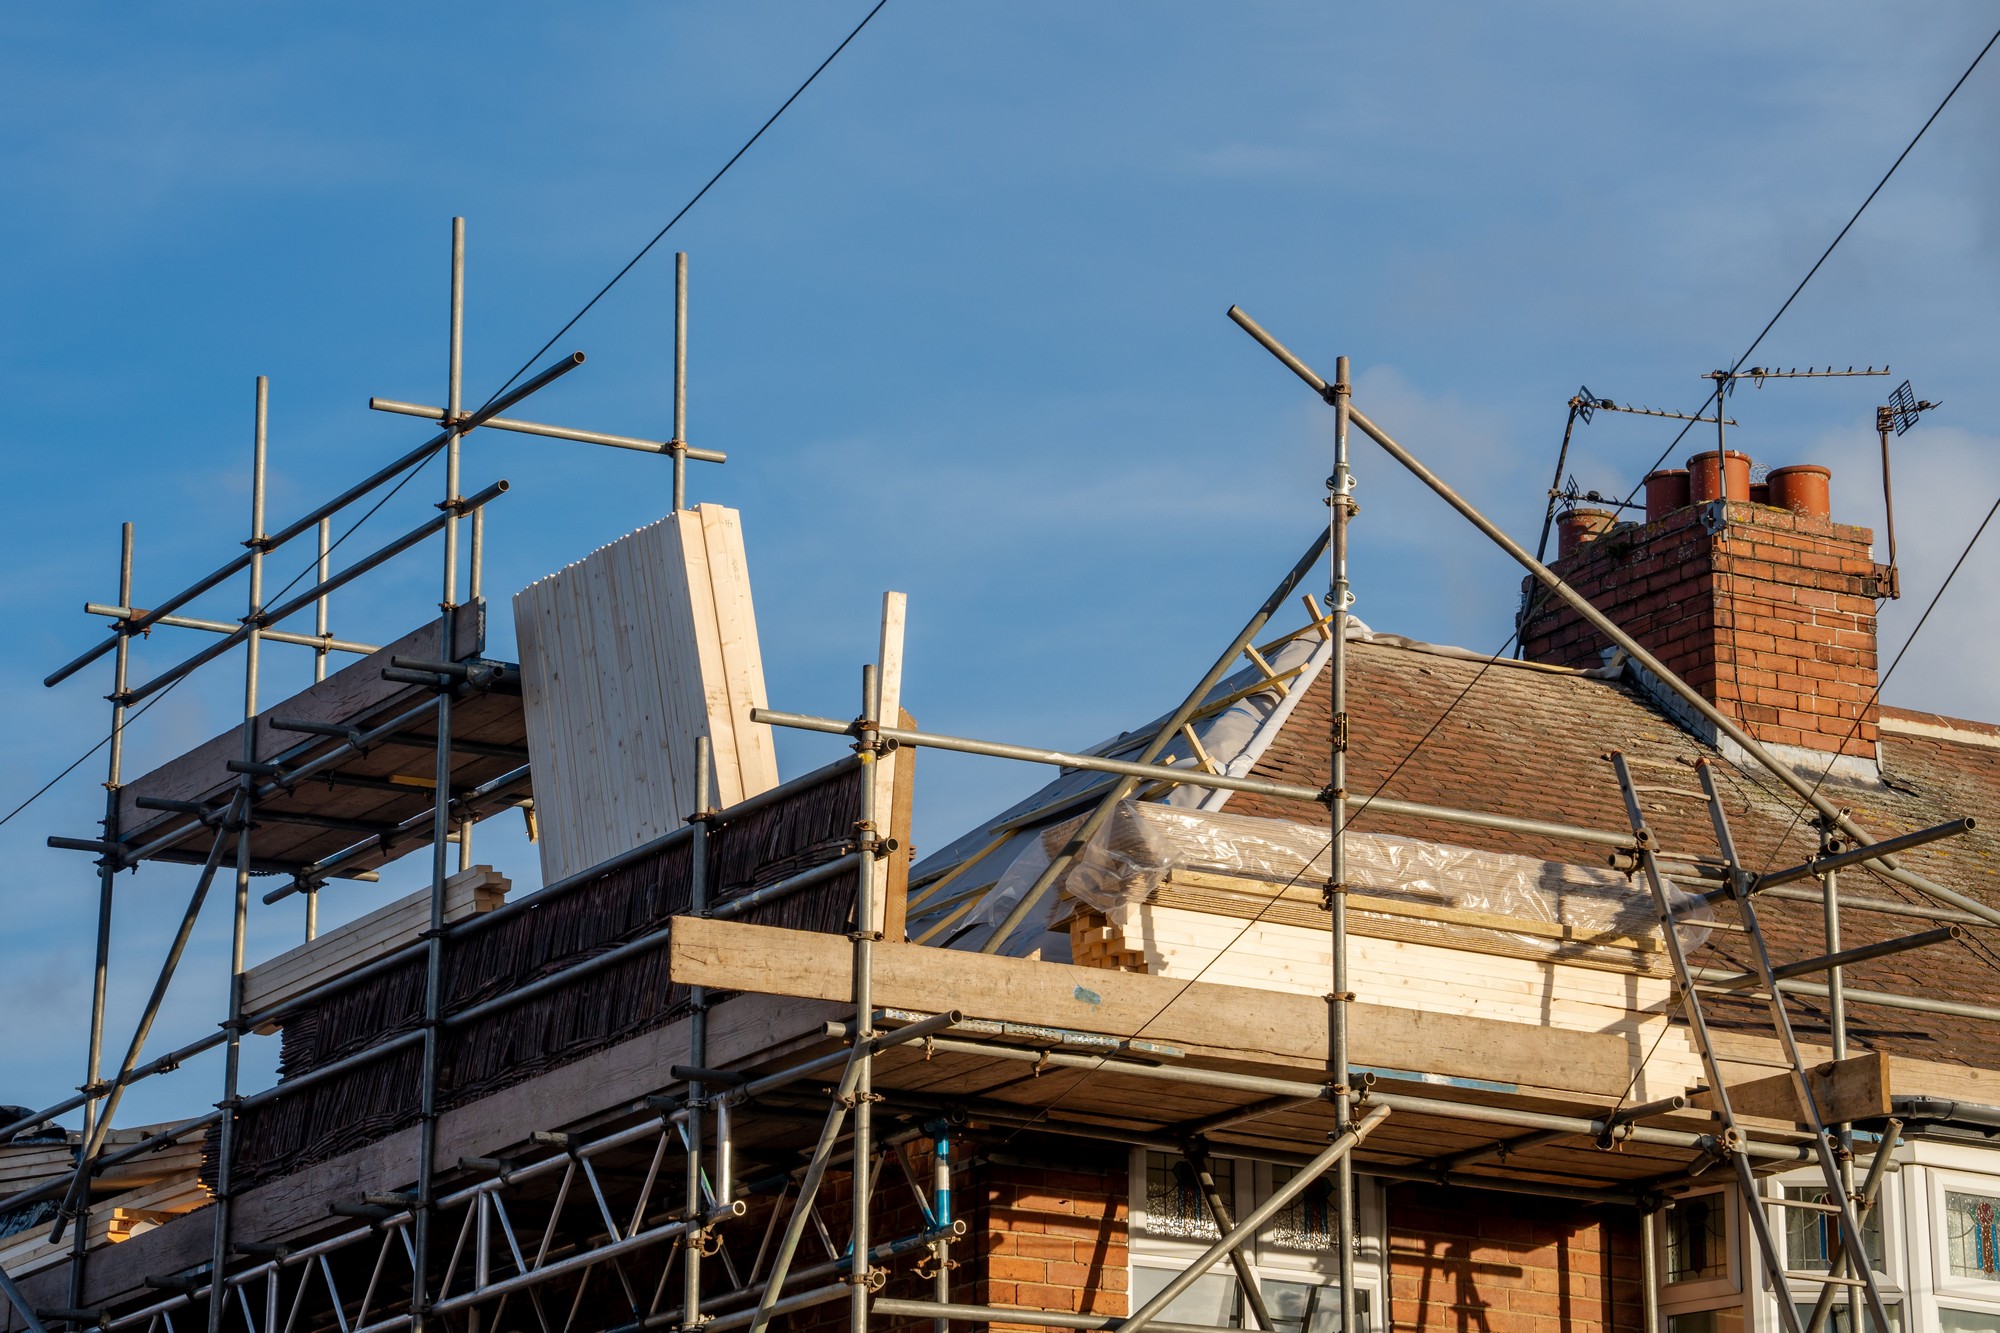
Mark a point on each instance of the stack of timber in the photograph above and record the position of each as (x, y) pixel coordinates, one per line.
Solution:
(626, 658)
(365, 939)
(1244, 928)
(127, 1199)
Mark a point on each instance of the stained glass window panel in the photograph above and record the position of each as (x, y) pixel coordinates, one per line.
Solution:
(1174, 1207)
(1972, 1234)
(1697, 1239)
(1306, 1223)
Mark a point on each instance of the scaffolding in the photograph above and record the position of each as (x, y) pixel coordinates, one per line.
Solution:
(627, 1195)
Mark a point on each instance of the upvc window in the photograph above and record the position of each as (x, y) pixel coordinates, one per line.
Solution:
(1293, 1257)
(1698, 1252)
(1810, 1238)
(1965, 1250)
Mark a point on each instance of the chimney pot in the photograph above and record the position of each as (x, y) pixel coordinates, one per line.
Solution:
(1701, 477)
(1760, 492)
(1666, 491)
(1578, 526)
(1804, 489)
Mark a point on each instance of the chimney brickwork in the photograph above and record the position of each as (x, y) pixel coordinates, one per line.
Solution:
(1771, 617)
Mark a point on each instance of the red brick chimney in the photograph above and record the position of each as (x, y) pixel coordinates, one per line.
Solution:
(1767, 608)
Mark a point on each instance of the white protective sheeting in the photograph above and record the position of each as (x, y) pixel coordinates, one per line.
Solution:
(1140, 848)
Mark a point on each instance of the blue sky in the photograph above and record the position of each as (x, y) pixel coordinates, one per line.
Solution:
(958, 320)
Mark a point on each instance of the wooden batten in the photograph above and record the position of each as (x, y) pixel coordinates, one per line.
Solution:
(627, 657)
(903, 796)
(364, 939)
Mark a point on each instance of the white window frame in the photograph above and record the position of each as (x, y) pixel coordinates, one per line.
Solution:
(1962, 1293)
(1704, 1294)
(1269, 1262)
(1892, 1278)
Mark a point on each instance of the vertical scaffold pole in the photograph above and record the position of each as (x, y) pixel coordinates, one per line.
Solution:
(692, 1242)
(324, 569)
(107, 875)
(225, 1171)
(680, 379)
(869, 745)
(1340, 508)
(440, 810)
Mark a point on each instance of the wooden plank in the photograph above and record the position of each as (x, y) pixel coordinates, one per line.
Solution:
(896, 894)
(347, 693)
(366, 938)
(1226, 1022)
(1930, 1078)
(1856, 1088)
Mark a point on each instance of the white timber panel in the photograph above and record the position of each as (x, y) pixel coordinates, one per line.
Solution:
(1265, 955)
(627, 657)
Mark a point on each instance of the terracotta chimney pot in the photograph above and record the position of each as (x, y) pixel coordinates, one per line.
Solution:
(1701, 477)
(1578, 526)
(1803, 489)
(1666, 491)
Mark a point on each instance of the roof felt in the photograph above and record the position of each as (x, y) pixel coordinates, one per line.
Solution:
(1517, 740)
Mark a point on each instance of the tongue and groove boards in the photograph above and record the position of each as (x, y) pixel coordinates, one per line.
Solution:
(626, 657)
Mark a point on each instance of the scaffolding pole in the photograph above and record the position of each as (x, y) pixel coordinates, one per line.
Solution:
(253, 621)
(1340, 508)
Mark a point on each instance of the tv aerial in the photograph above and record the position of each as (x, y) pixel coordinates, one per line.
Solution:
(1725, 385)
(1583, 405)
(1898, 415)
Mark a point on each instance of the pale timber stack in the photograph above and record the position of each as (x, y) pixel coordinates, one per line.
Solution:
(627, 657)
(367, 938)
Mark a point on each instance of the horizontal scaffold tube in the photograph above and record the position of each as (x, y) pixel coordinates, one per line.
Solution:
(1196, 777)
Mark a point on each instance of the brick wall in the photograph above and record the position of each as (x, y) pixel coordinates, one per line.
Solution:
(1504, 1263)
(1049, 1233)
(1772, 619)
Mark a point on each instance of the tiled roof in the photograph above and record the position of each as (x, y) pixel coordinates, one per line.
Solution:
(1529, 742)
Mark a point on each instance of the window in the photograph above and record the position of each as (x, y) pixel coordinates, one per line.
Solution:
(1811, 1237)
(1972, 1240)
(1838, 1322)
(1965, 1248)
(1696, 1244)
(1293, 1257)
(1706, 1321)
(1698, 1238)
(1174, 1205)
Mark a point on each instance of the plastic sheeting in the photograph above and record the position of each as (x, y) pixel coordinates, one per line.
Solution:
(1143, 843)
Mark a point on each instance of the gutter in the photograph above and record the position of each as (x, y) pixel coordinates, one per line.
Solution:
(1946, 1113)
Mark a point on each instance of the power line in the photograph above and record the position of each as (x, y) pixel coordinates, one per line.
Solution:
(1713, 397)
(645, 249)
(1716, 395)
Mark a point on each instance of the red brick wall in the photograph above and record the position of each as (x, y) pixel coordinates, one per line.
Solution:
(1049, 1235)
(1463, 1260)
(1773, 619)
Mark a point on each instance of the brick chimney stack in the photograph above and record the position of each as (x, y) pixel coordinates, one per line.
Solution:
(1767, 608)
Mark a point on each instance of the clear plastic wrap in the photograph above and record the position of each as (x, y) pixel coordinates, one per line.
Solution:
(1143, 844)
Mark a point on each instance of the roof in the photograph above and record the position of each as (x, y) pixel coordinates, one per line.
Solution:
(1450, 728)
